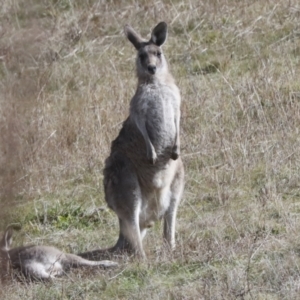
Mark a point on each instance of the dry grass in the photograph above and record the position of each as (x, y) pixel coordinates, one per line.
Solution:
(66, 79)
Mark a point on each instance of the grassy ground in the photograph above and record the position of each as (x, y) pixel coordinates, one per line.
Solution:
(66, 79)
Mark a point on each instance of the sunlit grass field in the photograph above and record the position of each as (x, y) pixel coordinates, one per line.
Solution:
(67, 74)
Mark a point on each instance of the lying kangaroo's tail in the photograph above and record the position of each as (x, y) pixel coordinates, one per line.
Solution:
(77, 261)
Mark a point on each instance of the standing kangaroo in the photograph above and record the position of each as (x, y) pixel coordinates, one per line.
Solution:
(144, 174)
(39, 262)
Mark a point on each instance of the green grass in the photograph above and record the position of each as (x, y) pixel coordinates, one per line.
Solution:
(67, 76)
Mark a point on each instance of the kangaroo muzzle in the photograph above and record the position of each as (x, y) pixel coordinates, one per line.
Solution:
(151, 69)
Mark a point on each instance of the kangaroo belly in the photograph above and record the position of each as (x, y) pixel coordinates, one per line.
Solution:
(45, 269)
(156, 195)
(153, 207)
(158, 176)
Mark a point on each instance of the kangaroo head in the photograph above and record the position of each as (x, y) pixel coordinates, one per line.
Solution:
(6, 241)
(150, 59)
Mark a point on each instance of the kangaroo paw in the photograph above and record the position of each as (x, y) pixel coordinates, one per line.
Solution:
(175, 153)
(152, 157)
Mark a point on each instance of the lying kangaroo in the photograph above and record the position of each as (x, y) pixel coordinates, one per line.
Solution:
(144, 175)
(40, 262)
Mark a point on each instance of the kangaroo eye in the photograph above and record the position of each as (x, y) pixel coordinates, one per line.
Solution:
(158, 54)
(142, 56)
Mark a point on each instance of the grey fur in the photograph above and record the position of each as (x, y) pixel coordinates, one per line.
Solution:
(40, 262)
(144, 174)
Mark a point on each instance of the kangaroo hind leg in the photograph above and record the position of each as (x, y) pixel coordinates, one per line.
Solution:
(123, 195)
(130, 233)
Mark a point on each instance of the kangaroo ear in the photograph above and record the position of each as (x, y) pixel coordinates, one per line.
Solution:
(159, 34)
(133, 37)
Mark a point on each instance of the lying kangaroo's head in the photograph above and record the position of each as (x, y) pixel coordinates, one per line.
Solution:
(6, 241)
(150, 59)
(5, 244)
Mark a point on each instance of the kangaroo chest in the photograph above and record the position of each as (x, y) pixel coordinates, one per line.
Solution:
(158, 106)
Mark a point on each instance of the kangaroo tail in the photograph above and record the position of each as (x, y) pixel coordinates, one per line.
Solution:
(77, 261)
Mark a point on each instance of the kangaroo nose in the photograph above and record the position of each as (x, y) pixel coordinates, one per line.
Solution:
(151, 69)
